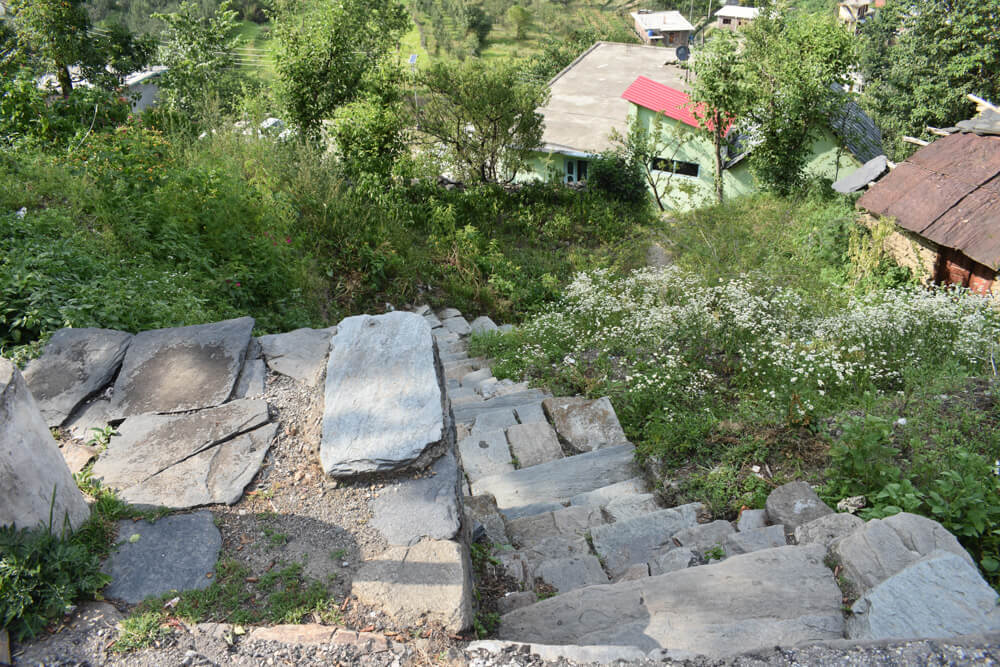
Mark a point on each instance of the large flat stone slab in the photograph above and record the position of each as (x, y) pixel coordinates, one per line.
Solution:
(605, 494)
(75, 364)
(384, 400)
(828, 529)
(466, 414)
(173, 554)
(216, 475)
(180, 369)
(485, 453)
(560, 479)
(34, 478)
(533, 444)
(568, 522)
(584, 424)
(638, 540)
(299, 354)
(149, 444)
(430, 580)
(423, 504)
(794, 504)
(572, 572)
(941, 595)
(762, 599)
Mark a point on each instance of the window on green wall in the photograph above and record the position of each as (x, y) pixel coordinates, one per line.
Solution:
(676, 166)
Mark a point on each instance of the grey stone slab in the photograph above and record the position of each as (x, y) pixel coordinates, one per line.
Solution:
(638, 540)
(456, 370)
(216, 475)
(552, 548)
(605, 494)
(421, 505)
(473, 378)
(447, 356)
(703, 536)
(630, 506)
(531, 413)
(583, 424)
(34, 478)
(925, 536)
(794, 504)
(77, 456)
(515, 600)
(457, 395)
(746, 541)
(384, 402)
(485, 453)
(488, 388)
(637, 571)
(566, 574)
(939, 596)
(173, 554)
(511, 401)
(483, 509)
(752, 520)
(706, 610)
(560, 479)
(483, 324)
(493, 420)
(673, 560)
(515, 567)
(465, 398)
(569, 522)
(828, 529)
(299, 354)
(533, 444)
(149, 444)
(429, 581)
(251, 383)
(75, 364)
(445, 337)
(457, 325)
(422, 309)
(511, 513)
(95, 413)
(872, 554)
(448, 313)
(180, 369)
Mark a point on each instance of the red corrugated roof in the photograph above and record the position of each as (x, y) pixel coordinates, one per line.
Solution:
(664, 99)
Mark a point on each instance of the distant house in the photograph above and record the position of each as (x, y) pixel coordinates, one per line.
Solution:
(945, 200)
(852, 13)
(733, 17)
(662, 28)
(142, 88)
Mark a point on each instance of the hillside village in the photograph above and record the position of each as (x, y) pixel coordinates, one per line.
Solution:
(483, 332)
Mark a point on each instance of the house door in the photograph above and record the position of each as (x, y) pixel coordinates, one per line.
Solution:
(954, 268)
(576, 170)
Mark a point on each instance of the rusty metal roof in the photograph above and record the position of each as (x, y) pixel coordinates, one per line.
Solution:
(949, 193)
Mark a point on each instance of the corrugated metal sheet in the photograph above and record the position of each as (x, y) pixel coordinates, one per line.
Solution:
(857, 130)
(664, 99)
(949, 193)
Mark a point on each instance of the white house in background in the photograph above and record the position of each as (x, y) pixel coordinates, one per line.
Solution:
(733, 17)
(662, 28)
(142, 87)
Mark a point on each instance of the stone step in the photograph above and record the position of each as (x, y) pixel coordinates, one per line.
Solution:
(561, 479)
(474, 378)
(485, 453)
(775, 596)
(533, 444)
(468, 414)
(643, 538)
(606, 494)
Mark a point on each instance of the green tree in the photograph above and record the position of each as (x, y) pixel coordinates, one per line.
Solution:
(54, 34)
(325, 52)
(199, 53)
(521, 18)
(790, 64)
(652, 152)
(919, 60)
(369, 135)
(718, 94)
(484, 116)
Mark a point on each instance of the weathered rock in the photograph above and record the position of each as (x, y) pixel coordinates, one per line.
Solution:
(710, 610)
(675, 559)
(563, 478)
(448, 313)
(533, 444)
(851, 504)
(180, 369)
(92, 414)
(746, 541)
(299, 354)
(941, 595)
(432, 321)
(384, 402)
(585, 425)
(872, 554)
(77, 456)
(631, 506)
(251, 382)
(531, 413)
(469, 413)
(475, 377)
(485, 453)
(457, 325)
(751, 520)
(484, 510)
(794, 504)
(638, 540)
(430, 579)
(432, 496)
(637, 571)
(173, 554)
(216, 475)
(515, 600)
(511, 513)
(566, 574)
(828, 529)
(704, 536)
(75, 364)
(606, 494)
(492, 420)
(33, 476)
(559, 654)
(483, 324)
(149, 444)
(569, 522)
(924, 536)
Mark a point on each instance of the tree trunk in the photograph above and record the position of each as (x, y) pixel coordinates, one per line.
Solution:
(717, 140)
(65, 81)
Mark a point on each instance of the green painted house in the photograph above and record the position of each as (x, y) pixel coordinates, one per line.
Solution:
(611, 85)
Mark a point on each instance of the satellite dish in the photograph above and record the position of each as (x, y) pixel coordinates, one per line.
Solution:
(683, 53)
(413, 58)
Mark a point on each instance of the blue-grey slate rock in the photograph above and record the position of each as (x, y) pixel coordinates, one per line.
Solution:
(173, 554)
(753, 540)
(299, 354)
(794, 504)
(424, 504)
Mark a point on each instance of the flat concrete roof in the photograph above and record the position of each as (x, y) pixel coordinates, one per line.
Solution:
(586, 101)
(671, 21)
